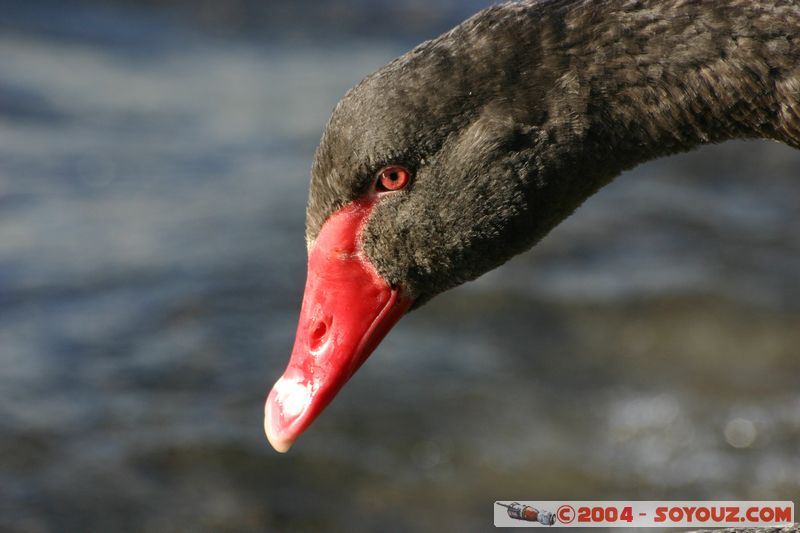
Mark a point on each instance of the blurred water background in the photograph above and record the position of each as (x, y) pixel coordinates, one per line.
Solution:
(154, 161)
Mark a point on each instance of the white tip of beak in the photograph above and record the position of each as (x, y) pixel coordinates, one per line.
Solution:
(281, 444)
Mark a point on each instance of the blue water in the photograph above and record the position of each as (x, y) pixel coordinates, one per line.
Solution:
(153, 179)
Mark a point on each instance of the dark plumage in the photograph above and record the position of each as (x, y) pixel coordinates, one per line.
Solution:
(508, 122)
(513, 118)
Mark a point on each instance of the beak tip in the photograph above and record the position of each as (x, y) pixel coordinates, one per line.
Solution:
(285, 412)
(279, 443)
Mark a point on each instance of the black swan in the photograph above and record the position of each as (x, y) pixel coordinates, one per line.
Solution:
(468, 149)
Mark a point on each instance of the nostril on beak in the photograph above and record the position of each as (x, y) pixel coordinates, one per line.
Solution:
(317, 334)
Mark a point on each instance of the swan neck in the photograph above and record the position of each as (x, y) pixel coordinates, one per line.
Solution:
(667, 76)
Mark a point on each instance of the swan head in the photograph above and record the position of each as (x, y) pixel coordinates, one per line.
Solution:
(430, 172)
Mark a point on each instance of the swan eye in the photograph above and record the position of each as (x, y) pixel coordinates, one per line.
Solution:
(393, 178)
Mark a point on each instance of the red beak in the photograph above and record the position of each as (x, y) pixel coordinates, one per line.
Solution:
(347, 310)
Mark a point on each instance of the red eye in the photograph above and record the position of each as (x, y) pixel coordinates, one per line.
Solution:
(393, 178)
